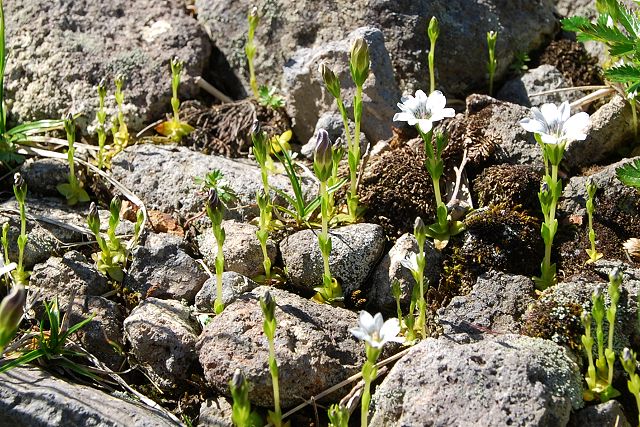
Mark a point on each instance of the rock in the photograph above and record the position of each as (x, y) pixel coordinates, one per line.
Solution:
(164, 178)
(507, 380)
(233, 285)
(85, 42)
(32, 397)
(102, 331)
(308, 99)
(242, 251)
(162, 269)
(356, 250)
(523, 26)
(332, 123)
(41, 243)
(610, 130)
(390, 269)
(71, 274)
(541, 79)
(42, 175)
(556, 313)
(497, 303)
(215, 413)
(610, 413)
(163, 338)
(313, 346)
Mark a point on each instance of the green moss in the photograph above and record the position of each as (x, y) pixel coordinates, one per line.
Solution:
(557, 322)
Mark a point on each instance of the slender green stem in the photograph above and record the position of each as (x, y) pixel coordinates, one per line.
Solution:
(345, 120)
(325, 226)
(273, 367)
(432, 71)
(354, 155)
(219, 269)
(551, 223)
(436, 191)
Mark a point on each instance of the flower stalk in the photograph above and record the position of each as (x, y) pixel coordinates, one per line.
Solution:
(433, 31)
(268, 305)
(101, 115)
(241, 409)
(175, 129)
(628, 360)
(72, 190)
(594, 255)
(250, 49)
(119, 129)
(492, 63)
(20, 191)
(261, 153)
(215, 210)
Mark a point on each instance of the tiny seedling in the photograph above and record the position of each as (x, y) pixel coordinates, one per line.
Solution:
(72, 191)
(268, 97)
(338, 416)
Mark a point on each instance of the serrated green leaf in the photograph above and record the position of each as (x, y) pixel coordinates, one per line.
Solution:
(629, 174)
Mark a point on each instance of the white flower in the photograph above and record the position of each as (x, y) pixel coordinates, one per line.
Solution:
(410, 261)
(555, 125)
(374, 331)
(422, 110)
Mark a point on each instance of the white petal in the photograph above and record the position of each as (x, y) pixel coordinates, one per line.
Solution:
(448, 112)
(533, 125)
(424, 125)
(390, 329)
(421, 96)
(564, 111)
(403, 117)
(379, 322)
(365, 321)
(537, 114)
(550, 113)
(549, 139)
(358, 333)
(574, 128)
(436, 101)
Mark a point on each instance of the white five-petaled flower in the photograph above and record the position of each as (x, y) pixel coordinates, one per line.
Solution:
(423, 110)
(556, 125)
(410, 261)
(375, 332)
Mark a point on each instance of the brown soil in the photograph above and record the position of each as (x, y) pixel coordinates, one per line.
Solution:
(573, 61)
(515, 185)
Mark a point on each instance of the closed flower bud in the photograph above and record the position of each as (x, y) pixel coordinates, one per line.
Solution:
(255, 128)
(585, 318)
(237, 380)
(322, 156)
(18, 181)
(213, 201)
(627, 356)
(330, 80)
(93, 213)
(492, 37)
(254, 18)
(176, 65)
(434, 29)
(268, 305)
(615, 276)
(115, 205)
(11, 310)
(418, 227)
(359, 64)
(591, 188)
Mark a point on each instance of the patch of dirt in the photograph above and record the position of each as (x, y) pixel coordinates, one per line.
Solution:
(515, 185)
(573, 61)
(224, 129)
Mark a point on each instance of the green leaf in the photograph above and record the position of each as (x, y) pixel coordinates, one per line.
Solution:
(38, 126)
(629, 174)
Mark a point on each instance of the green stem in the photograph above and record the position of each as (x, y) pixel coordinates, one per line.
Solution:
(354, 150)
(432, 71)
(551, 220)
(345, 120)
(436, 191)
(324, 202)
(273, 367)
(219, 268)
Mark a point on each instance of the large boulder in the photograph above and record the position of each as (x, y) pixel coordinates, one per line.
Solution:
(285, 26)
(60, 50)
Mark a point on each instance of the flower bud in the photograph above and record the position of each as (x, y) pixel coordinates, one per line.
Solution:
(434, 29)
(11, 310)
(597, 292)
(268, 305)
(591, 188)
(69, 125)
(359, 64)
(213, 201)
(115, 206)
(418, 227)
(322, 156)
(627, 356)
(586, 318)
(255, 128)
(492, 37)
(176, 66)
(93, 212)
(615, 276)
(254, 18)
(331, 81)
(237, 380)
(18, 181)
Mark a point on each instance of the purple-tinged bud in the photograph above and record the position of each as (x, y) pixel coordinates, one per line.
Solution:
(18, 181)
(323, 156)
(11, 311)
(213, 201)
(255, 127)
(237, 380)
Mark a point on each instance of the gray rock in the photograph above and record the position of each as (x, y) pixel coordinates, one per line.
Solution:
(610, 129)
(242, 251)
(30, 397)
(233, 285)
(164, 178)
(71, 274)
(356, 250)
(215, 413)
(313, 346)
(610, 413)
(331, 121)
(104, 330)
(541, 79)
(497, 302)
(41, 243)
(574, 194)
(390, 269)
(505, 380)
(84, 42)
(163, 339)
(42, 175)
(307, 97)
(523, 26)
(162, 269)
